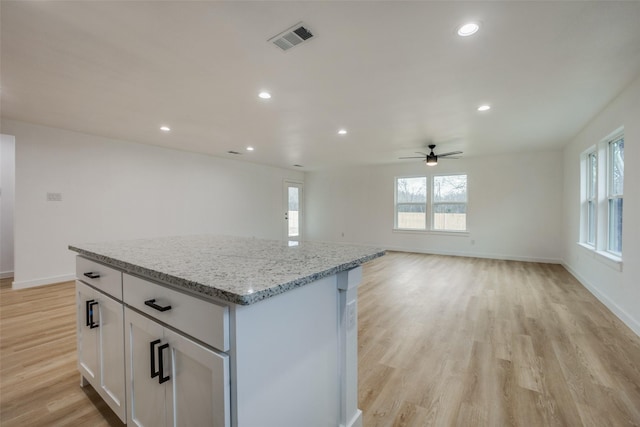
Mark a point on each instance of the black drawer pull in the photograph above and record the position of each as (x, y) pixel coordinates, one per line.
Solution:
(92, 275)
(152, 303)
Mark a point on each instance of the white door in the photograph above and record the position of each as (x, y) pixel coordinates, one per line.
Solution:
(87, 332)
(198, 393)
(293, 215)
(145, 394)
(111, 348)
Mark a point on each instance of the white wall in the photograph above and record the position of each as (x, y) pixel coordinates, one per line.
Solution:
(7, 182)
(121, 190)
(514, 210)
(619, 290)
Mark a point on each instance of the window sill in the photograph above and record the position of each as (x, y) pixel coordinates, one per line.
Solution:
(464, 233)
(608, 259)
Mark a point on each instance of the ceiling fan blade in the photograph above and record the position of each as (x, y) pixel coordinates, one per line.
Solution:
(450, 158)
(451, 153)
(421, 157)
(420, 152)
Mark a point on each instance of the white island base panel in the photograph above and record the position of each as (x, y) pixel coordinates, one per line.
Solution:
(294, 357)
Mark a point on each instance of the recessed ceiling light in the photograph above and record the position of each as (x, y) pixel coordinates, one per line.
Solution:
(342, 132)
(484, 108)
(264, 95)
(468, 29)
(165, 128)
(249, 148)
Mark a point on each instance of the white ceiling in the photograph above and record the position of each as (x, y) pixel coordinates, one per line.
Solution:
(394, 74)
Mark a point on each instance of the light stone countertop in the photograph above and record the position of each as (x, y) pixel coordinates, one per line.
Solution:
(235, 269)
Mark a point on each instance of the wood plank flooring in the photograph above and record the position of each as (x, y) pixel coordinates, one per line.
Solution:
(444, 341)
(449, 341)
(39, 381)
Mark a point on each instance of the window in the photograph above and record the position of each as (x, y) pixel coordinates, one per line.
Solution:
(449, 204)
(615, 172)
(591, 201)
(411, 203)
(602, 178)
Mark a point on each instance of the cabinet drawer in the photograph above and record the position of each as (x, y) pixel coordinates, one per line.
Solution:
(204, 320)
(99, 276)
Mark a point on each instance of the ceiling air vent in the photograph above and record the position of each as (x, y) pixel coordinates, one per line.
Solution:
(233, 152)
(292, 37)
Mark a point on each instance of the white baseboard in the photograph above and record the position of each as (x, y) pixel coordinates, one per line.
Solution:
(6, 274)
(625, 317)
(356, 421)
(44, 281)
(477, 255)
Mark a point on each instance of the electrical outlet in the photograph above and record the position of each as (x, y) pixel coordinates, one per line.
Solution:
(54, 197)
(473, 242)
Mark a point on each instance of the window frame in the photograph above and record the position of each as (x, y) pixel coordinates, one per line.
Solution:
(428, 226)
(591, 197)
(599, 245)
(434, 203)
(611, 195)
(395, 203)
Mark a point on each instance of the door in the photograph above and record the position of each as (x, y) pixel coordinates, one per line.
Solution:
(293, 215)
(198, 392)
(111, 349)
(145, 395)
(87, 324)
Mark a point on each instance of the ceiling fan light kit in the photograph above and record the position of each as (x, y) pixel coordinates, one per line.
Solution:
(431, 159)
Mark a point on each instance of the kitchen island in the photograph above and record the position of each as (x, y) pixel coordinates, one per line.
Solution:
(222, 331)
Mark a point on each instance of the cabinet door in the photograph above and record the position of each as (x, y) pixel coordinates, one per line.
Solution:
(198, 392)
(111, 353)
(145, 396)
(87, 336)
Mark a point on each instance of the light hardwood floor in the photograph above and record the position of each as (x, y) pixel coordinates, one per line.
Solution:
(444, 341)
(39, 381)
(470, 342)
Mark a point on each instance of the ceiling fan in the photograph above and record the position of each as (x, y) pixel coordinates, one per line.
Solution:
(431, 159)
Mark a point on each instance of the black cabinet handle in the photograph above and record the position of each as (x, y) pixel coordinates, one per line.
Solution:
(162, 377)
(152, 303)
(159, 372)
(152, 346)
(92, 275)
(88, 311)
(92, 324)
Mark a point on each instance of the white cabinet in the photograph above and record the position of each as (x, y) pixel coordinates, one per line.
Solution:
(100, 333)
(171, 379)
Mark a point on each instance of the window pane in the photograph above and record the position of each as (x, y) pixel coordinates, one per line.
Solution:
(411, 216)
(593, 176)
(591, 222)
(616, 151)
(615, 225)
(452, 188)
(411, 190)
(293, 216)
(451, 216)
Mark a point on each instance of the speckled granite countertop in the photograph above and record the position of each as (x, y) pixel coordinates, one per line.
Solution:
(235, 269)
